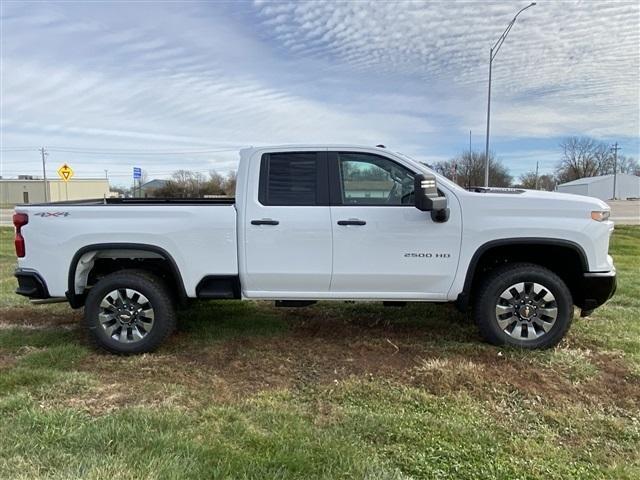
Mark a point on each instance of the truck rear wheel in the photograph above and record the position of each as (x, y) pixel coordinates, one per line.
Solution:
(129, 312)
(523, 305)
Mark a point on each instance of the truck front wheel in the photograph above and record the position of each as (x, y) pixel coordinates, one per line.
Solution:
(129, 312)
(523, 305)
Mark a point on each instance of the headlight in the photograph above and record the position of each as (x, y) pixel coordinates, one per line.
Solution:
(600, 215)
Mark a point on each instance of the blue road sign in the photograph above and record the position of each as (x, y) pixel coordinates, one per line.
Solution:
(137, 173)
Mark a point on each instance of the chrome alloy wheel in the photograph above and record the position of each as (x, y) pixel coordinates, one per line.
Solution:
(526, 311)
(126, 315)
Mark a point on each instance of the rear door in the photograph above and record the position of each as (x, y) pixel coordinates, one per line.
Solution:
(288, 244)
(384, 247)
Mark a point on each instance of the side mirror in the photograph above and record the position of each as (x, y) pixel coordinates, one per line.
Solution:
(427, 199)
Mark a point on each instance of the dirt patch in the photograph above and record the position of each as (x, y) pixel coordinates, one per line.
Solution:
(319, 356)
(29, 317)
(7, 361)
(321, 351)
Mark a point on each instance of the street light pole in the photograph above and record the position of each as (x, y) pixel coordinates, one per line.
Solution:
(486, 148)
(493, 51)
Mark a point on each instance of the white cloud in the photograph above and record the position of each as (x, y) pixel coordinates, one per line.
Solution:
(410, 75)
(560, 57)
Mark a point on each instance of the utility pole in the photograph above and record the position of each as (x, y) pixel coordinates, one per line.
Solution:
(106, 174)
(614, 149)
(537, 176)
(44, 174)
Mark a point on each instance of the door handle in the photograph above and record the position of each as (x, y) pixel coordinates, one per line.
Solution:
(353, 221)
(265, 221)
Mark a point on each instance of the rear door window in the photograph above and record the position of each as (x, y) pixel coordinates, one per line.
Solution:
(293, 178)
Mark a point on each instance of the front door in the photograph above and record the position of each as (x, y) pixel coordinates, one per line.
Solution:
(384, 247)
(288, 227)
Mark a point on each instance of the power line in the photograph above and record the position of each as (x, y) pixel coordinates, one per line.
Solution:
(18, 149)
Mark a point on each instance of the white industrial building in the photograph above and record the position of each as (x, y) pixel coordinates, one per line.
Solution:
(32, 190)
(627, 186)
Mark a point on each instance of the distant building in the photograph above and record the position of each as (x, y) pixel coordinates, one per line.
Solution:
(627, 186)
(31, 190)
(148, 189)
(376, 189)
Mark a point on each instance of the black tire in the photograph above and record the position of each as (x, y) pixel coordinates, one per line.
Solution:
(502, 278)
(162, 309)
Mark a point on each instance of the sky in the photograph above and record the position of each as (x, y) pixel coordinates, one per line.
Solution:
(164, 86)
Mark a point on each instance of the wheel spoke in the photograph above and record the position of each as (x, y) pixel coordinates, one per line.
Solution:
(504, 309)
(546, 326)
(504, 323)
(550, 312)
(520, 287)
(107, 304)
(121, 296)
(507, 295)
(109, 326)
(135, 332)
(124, 332)
(516, 331)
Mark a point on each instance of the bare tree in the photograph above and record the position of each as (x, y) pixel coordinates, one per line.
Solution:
(189, 184)
(583, 157)
(229, 185)
(467, 170)
(541, 182)
(626, 165)
(215, 183)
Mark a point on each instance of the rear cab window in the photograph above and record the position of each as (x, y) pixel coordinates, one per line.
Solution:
(293, 179)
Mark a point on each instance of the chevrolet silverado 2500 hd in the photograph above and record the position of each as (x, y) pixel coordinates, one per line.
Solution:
(322, 223)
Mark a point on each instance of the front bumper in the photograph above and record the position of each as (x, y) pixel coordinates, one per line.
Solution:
(31, 284)
(596, 289)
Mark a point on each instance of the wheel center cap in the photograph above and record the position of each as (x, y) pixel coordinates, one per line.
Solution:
(526, 312)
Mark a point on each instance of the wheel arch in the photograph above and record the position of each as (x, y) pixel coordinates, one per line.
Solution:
(76, 299)
(541, 251)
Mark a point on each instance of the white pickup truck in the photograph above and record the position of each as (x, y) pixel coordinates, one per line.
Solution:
(322, 222)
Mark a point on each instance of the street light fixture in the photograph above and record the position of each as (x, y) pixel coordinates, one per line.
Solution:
(492, 54)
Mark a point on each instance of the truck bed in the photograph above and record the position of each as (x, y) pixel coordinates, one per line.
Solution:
(199, 235)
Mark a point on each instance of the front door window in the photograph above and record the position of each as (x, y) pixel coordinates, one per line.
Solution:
(373, 180)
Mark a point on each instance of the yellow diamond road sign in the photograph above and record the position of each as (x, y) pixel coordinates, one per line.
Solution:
(65, 172)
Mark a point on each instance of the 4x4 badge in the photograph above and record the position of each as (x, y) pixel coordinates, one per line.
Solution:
(52, 214)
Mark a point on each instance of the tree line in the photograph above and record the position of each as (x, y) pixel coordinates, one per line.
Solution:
(579, 157)
(189, 184)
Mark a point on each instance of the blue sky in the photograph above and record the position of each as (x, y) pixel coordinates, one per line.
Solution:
(183, 85)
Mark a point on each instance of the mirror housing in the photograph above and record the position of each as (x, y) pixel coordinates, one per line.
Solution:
(427, 198)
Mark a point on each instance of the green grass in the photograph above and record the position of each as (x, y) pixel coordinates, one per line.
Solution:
(244, 390)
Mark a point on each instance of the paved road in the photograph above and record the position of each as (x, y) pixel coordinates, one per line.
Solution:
(623, 212)
(5, 217)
